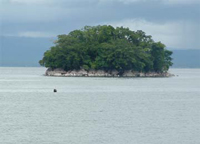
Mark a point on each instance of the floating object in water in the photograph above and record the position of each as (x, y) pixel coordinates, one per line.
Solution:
(55, 90)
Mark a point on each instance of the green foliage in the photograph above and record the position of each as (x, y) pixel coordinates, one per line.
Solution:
(107, 48)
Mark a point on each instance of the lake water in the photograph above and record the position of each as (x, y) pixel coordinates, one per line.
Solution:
(99, 110)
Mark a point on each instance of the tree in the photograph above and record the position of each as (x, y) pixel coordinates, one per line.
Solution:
(107, 48)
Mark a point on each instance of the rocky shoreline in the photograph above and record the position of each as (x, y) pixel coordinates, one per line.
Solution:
(100, 73)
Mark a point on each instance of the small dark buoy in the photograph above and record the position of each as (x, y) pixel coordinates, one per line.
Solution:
(54, 90)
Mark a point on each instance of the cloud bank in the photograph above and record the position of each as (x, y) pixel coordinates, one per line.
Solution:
(174, 22)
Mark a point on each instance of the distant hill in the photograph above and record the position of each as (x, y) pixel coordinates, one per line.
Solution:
(186, 58)
(20, 51)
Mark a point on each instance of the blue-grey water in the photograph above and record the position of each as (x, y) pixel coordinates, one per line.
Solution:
(99, 110)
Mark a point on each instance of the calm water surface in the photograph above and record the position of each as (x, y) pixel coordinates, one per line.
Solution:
(99, 110)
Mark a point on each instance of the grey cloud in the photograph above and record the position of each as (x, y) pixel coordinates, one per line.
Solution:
(151, 10)
(62, 16)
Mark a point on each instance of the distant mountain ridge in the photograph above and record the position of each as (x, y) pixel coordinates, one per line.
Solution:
(22, 52)
(186, 58)
(26, 52)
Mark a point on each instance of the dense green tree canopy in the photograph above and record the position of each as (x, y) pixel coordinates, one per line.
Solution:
(107, 48)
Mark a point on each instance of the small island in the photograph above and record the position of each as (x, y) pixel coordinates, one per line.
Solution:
(105, 51)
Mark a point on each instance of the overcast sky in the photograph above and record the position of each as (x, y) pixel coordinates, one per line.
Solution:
(176, 23)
